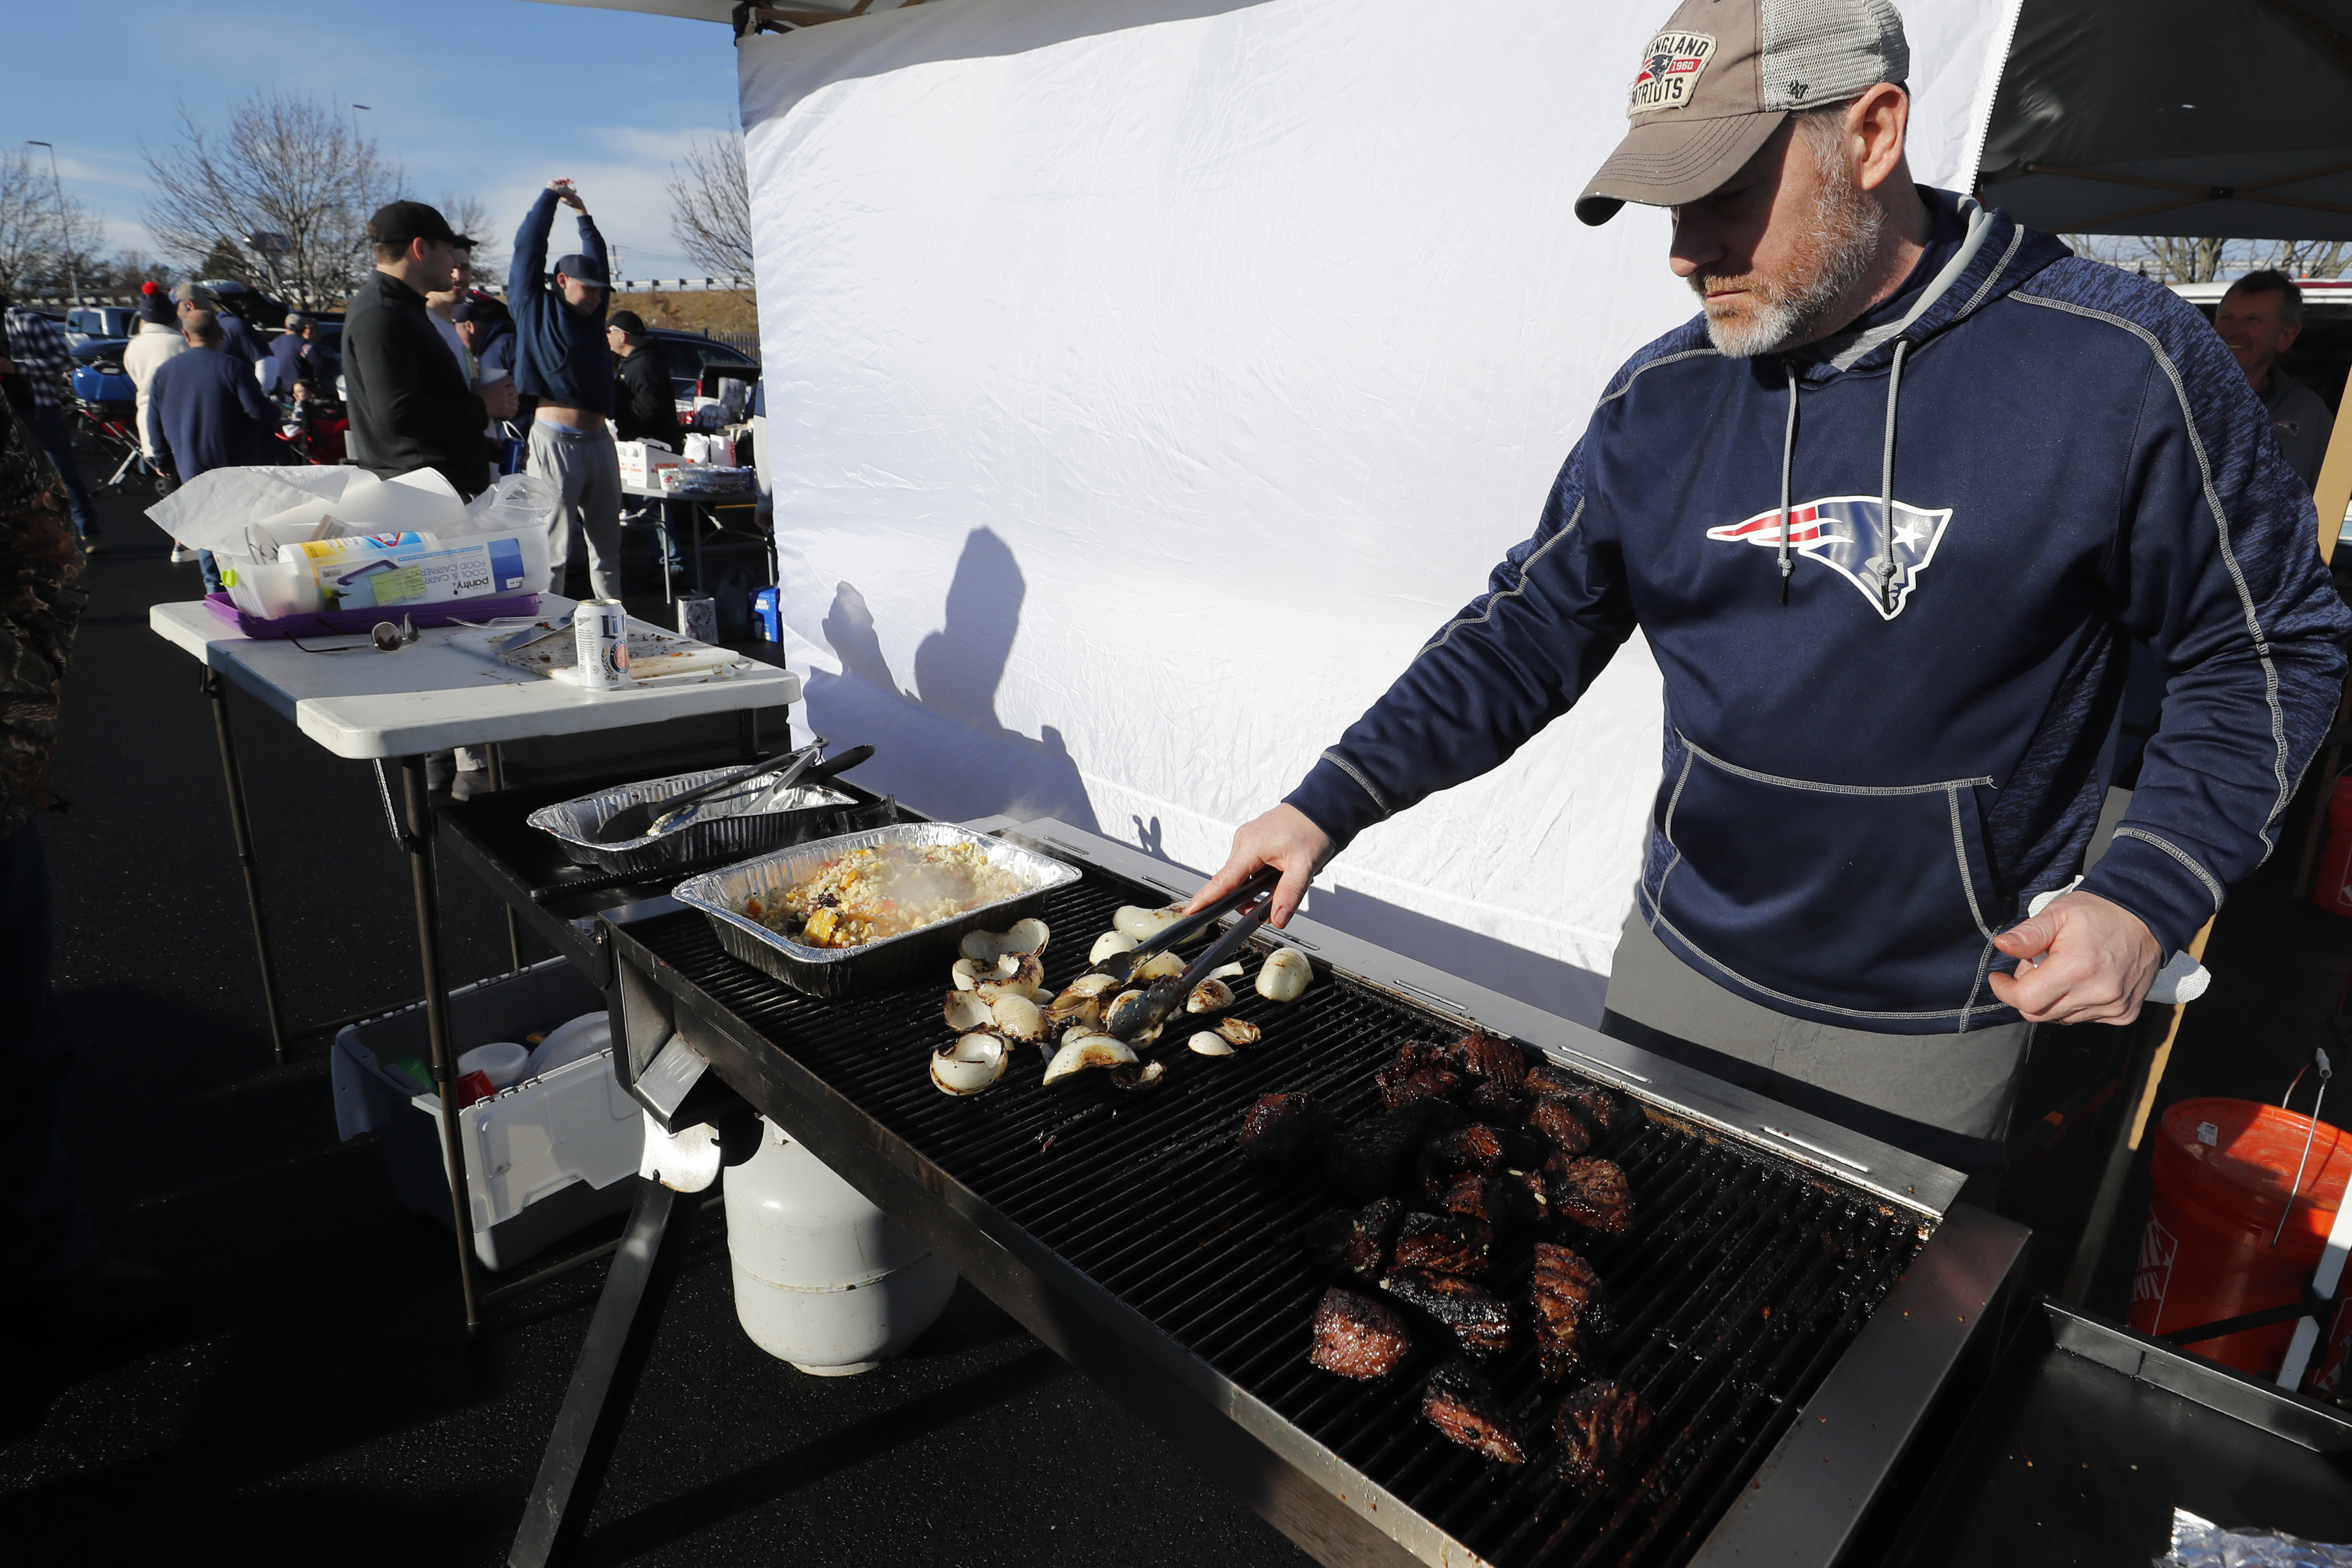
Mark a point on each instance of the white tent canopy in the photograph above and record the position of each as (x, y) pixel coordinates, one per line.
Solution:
(1146, 379)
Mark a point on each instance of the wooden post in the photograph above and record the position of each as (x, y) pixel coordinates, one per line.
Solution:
(2332, 496)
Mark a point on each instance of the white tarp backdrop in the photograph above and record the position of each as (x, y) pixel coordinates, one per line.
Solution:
(1147, 380)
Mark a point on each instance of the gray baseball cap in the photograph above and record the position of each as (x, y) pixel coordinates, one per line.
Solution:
(1722, 75)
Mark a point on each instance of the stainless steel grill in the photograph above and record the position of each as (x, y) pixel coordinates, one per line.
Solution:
(1125, 1228)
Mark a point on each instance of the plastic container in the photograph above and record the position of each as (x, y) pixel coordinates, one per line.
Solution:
(823, 1279)
(500, 1062)
(2221, 1169)
(2331, 885)
(273, 590)
(545, 1156)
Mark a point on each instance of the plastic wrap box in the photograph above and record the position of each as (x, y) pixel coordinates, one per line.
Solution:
(544, 1157)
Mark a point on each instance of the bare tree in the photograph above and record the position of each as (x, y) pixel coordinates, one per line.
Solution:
(2171, 258)
(469, 215)
(289, 168)
(42, 232)
(710, 206)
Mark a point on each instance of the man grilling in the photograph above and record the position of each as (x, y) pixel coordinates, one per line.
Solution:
(1886, 512)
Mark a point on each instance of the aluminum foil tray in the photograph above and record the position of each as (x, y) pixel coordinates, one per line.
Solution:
(918, 956)
(809, 811)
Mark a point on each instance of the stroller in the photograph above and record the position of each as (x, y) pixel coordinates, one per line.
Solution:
(105, 409)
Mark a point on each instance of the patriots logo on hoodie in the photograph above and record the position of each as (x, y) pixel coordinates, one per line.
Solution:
(1847, 534)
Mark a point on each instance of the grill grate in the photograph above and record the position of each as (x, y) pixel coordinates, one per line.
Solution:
(1740, 1281)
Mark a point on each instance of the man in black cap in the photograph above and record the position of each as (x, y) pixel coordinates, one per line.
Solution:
(411, 402)
(565, 362)
(647, 402)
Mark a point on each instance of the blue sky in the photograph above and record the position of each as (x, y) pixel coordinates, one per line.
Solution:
(491, 97)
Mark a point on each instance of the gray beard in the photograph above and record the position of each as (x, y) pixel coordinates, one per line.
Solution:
(1840, 241)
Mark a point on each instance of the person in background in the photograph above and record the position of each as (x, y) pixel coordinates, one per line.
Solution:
(206, 411)
(2259, 320)
(36, 349)
(319, 363)
(411, 405)
(646, 403)
(566, 364)
(238, 340)
(441, 304)
(488, 334)
(55, 1280)
(282, 367)
(156, 339)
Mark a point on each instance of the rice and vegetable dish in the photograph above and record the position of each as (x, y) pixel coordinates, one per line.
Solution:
(870, 895)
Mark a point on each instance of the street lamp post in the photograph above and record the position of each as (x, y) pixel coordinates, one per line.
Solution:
(65, 227)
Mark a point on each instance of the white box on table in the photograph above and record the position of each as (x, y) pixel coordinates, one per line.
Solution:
(641, 461)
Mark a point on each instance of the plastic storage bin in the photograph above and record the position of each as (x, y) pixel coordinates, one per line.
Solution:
(545, 1156)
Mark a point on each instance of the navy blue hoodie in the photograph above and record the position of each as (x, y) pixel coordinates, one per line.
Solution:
(562, 357)
(1865, 786)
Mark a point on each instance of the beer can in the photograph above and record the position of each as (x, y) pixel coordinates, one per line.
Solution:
(600, 629)
(698, 615)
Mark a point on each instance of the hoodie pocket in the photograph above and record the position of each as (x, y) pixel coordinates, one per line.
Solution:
(1866, 902)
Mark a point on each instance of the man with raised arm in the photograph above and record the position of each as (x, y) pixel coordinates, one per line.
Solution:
(562, 360)
(1887, 511)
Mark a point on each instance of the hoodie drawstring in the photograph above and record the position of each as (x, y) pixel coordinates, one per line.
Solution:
(1886, 565)
(1886, 479)
(1788, 464)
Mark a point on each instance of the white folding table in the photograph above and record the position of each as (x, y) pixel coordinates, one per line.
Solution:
(358, 701)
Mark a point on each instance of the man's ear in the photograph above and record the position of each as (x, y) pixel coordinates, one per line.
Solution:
(2288, 334)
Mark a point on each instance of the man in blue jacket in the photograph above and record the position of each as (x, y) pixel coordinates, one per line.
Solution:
(562, 361)
(1886, 512)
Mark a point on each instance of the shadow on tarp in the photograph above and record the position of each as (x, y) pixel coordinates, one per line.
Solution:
(778, 71)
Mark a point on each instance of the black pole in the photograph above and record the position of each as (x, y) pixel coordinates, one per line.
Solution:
(496, 762)
(217, 690)
(419, 845)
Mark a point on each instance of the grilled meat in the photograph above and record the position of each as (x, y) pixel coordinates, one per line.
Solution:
(1480, 1322)
(1590, 1191)
(1532, 1198)
(1560, 1126)
(1502, 1199)
(1400, 1088)
(1600, 1425)
(1375, 1156)
(1481, 1147)
(1492, 1100)
(1482, 1055)
(1546, 1081)
(1281, 1128)
(1355, 1242)
(1567, 1296)
(1358, 1337)
(1456, 1401)
(1604, 1111)
(1445, 1244)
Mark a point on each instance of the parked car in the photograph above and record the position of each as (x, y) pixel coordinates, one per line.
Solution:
(690, 355)
(246, 303)
(85, 323)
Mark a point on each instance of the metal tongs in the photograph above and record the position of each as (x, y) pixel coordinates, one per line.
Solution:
(632, 822)
(1121, 965)
(1162, 997)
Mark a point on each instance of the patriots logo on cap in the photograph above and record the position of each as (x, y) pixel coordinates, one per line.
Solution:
(1848, 535)
(1671, 68)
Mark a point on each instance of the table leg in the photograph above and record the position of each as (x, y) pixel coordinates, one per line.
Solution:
(662, 534)
(242, 831)
(619, 1336)
(496, 762)
(694, 532)
(419, 845)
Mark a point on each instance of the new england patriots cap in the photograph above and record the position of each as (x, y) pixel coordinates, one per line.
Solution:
(1722, 77)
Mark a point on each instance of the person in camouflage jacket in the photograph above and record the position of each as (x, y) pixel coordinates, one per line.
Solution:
(41, 602)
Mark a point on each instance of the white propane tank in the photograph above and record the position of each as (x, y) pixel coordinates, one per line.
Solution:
(823, 1279)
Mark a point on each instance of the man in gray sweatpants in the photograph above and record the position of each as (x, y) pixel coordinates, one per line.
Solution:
(563, 361)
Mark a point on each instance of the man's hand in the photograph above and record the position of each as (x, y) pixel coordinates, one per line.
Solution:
(500, 397)
(2082, 959)
(568, 196)
(1283, 837)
